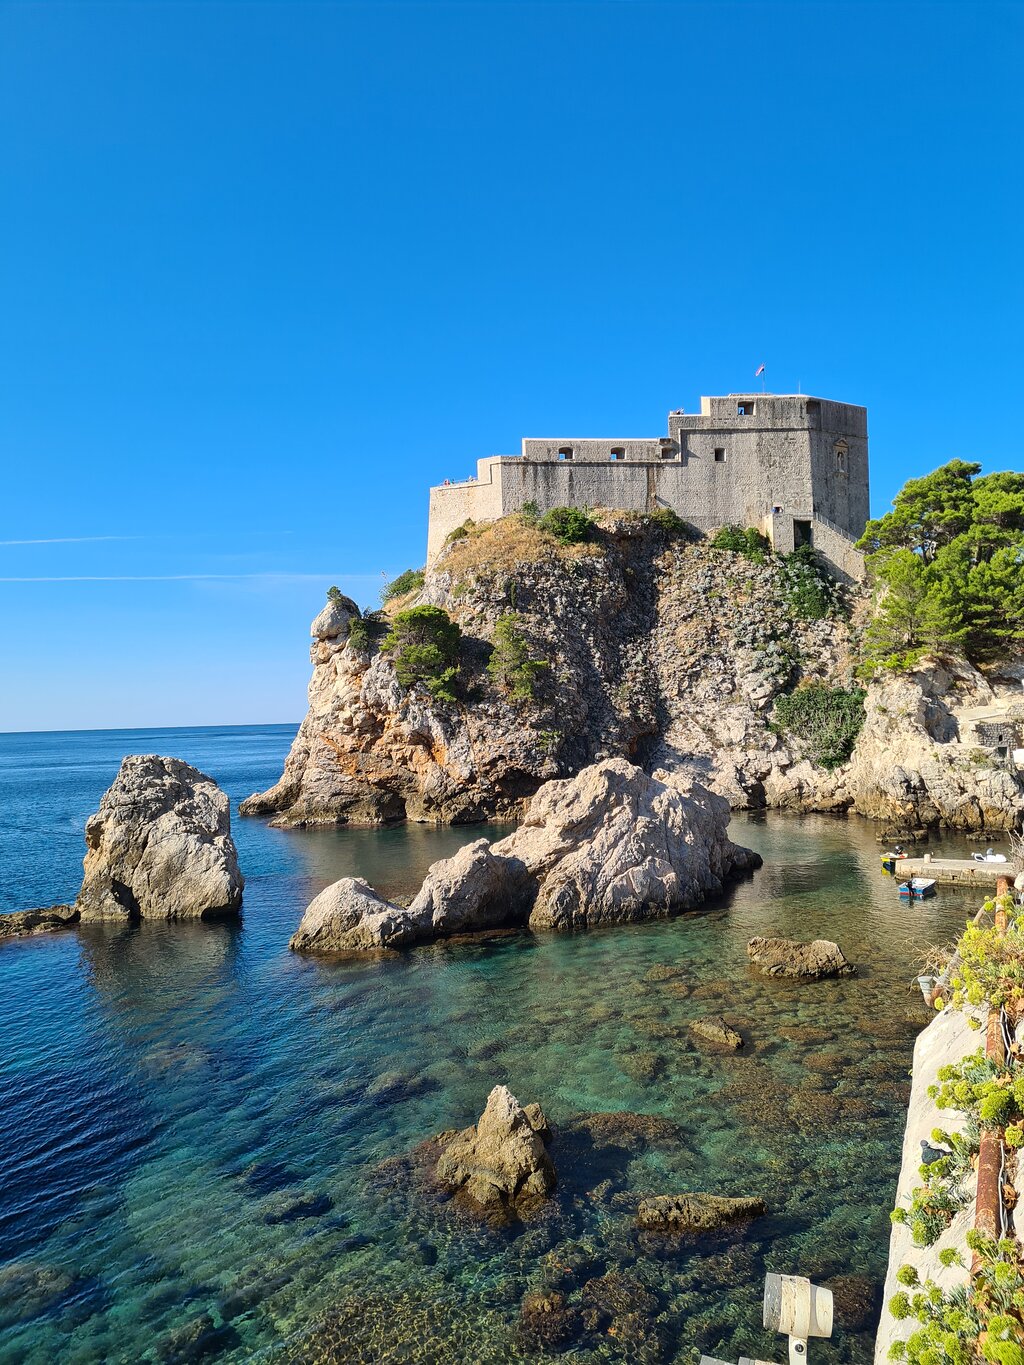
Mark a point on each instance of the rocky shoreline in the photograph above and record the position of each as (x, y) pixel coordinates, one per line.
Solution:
(655, 648)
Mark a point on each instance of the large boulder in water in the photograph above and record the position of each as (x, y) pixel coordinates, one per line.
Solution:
(788, 957)
(614, 844)
(501, 1166)
(474, 889)
(348, 916)
(160, 846)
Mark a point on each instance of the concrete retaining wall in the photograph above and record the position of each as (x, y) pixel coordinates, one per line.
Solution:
(947, 1039)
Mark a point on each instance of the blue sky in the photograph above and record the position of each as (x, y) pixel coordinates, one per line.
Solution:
(268, 271)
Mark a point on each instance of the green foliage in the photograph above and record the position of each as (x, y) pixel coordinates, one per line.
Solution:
(990, 964)
(568, 525)
(424, 646)
(810, 592)
(744, 541)
(826, 720)
(364, 630)
(510, 664)
(335, 594)
(946, 563)
(665, 519)
(410, 581)
(981, 1321)
(460, 532)
(530, 511)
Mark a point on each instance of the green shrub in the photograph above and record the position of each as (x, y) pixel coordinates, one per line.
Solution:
(530, 511)
(335, 594)
(410, 581)
(810, 592)
(424, 646)
(510, 664)
(665, 519)
(568, 525)
(460, 532)
(744, 541)
(826, 720)
(364, 630)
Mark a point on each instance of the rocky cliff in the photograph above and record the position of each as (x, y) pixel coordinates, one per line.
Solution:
(659, 648)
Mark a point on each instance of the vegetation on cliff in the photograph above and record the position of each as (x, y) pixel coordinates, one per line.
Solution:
(511, 664)
(424, 646)
(946, 567)
(826, 720)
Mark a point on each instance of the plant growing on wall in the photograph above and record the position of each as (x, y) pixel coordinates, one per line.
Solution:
(826, 720)
(510, 664)
(424, 646)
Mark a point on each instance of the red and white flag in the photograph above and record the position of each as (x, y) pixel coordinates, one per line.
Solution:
(759, 372)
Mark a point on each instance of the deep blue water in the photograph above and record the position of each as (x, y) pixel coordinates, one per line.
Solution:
(193, 1119)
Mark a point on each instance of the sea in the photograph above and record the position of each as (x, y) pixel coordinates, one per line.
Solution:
(211, 1148)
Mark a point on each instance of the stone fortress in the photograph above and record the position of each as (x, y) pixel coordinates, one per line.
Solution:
(793, 466)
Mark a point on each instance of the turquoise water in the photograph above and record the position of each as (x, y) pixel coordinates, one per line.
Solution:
(199, 1130)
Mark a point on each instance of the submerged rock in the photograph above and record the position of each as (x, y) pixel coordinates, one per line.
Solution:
(160, 846)
(624, 1129)
(500, 1165)
(546, 1321)
(714, 1029)
(788, 957)
(21, 923)
(695, 1212)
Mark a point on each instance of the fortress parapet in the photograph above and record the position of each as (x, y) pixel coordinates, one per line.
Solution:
(792, 465)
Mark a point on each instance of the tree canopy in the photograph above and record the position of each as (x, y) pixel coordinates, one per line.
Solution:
(947, 563)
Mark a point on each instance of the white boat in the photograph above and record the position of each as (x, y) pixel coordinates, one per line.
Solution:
(918, 887)
(989, 857)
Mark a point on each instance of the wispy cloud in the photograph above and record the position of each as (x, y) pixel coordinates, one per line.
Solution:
(69, 540)
(192, 578)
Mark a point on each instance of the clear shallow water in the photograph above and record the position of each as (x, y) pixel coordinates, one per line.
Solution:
(193, 1119)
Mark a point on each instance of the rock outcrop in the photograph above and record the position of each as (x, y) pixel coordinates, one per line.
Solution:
(501, 1166)
(788, 957)
(714, 1029)
(695, 1213)
(613, 844)
(659, 648)
(607, 846)
(914, 764)
(160, 846)
(23, 923)
(349, 916)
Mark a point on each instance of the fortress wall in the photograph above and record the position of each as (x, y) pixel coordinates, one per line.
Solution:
(451, 504)
(842, 496)
(702, 491)
(839, 552)
(592, 449)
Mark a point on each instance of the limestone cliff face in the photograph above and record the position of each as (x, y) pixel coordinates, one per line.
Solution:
(661, 650)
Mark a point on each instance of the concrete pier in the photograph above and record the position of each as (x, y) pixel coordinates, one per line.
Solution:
(955, 871)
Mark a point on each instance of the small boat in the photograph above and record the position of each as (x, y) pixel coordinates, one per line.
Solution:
(990, 857)
(917, 888)
(889, 860)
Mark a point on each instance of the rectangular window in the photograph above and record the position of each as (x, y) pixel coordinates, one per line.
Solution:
(618, 453)
(719, 455)
(745, 409)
